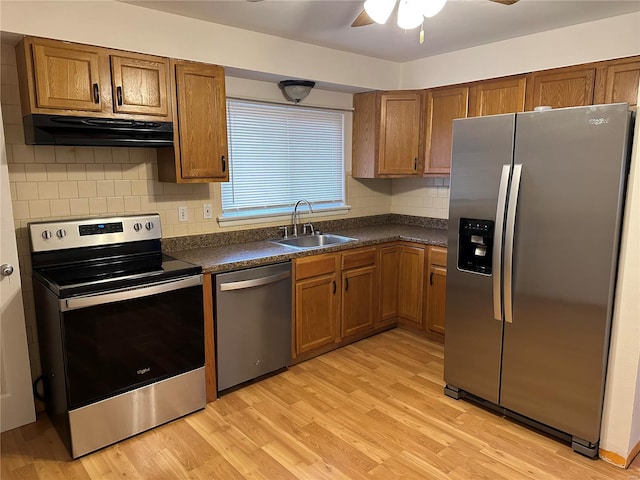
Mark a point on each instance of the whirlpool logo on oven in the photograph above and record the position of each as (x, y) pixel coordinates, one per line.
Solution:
(598, 121)
(142, 371)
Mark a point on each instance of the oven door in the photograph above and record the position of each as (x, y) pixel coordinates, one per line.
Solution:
(121, 340)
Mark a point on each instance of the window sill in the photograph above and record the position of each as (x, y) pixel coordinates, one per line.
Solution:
(231, 220)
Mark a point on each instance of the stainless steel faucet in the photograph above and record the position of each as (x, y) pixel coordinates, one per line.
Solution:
(296, 215)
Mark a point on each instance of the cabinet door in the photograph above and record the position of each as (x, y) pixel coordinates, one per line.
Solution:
(566, 87)
(140, 85)
(388, 268)
(358, 300)
(67, 77)
(202, 122)
(443, 106)
(399, 134)
(495, 97)
(436, 299)
(436, 290)
(316, 302)
(618, 82)
(410, 285)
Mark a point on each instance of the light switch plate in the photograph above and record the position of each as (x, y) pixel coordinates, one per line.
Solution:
(206, 211)
(183, 214)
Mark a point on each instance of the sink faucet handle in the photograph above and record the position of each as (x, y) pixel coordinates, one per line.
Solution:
(285, 231)
(304, 228)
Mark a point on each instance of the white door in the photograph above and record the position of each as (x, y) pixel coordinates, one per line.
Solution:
(16, 397)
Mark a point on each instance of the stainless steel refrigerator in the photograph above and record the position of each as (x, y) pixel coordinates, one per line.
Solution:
(536, 204)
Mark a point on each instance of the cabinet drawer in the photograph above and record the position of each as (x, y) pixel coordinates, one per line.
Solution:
(316, 265)
(439, 256)
(358, 258)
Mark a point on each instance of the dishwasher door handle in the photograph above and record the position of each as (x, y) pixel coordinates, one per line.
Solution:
(254, 282)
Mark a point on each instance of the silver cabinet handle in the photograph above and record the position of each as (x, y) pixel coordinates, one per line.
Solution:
(254, 282)
(497, 243)
(128, 294)
(508, 243)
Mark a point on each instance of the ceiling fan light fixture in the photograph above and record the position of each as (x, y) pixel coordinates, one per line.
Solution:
(410, 14)
(379, 10)
(431, 8)
(296, 90)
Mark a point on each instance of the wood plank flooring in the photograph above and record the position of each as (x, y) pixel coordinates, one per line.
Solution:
(373, 410)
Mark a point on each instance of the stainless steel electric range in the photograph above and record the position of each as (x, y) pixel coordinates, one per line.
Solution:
(120, 328)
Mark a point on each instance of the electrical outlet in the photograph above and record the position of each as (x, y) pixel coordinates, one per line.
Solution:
(183, 214)
(206, 211)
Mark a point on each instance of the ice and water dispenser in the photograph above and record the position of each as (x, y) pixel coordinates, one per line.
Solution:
(475, 245)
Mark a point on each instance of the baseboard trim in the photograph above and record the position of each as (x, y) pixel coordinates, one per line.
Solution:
(618, 460)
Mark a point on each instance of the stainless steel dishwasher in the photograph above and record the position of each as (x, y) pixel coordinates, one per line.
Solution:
(253, 323)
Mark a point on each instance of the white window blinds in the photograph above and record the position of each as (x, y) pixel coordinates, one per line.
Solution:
(280, 154)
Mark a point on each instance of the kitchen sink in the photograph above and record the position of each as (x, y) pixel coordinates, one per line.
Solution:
(314, 241)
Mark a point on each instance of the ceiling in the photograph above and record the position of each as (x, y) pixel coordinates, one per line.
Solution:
(461, 24)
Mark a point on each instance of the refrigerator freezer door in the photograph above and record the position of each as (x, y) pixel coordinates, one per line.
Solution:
(565, 255)
(481, 147)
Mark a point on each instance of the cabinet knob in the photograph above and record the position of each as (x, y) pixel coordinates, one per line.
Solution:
(224, 164)
(96, 93)
(119, 95)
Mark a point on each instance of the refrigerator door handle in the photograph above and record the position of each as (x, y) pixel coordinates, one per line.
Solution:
(508, 243)
(497, 244)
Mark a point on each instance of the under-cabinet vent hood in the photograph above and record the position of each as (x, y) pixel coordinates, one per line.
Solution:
(97, 132)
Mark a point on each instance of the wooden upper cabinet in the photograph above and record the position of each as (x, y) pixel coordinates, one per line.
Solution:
(67, 76)
(494, 97)
(386, 134)
(140, 84)
(563, 87)
(618, 82)
(62, 78)
(399, 133)
(199, 153)
(442, 107)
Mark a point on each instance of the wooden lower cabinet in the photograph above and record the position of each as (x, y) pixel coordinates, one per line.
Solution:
(410, 284)
(316, 301)
(436, 291)
(334, 299)
(359, 303)
(388, 276)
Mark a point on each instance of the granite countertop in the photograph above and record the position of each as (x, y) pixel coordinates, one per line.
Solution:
(214, 259)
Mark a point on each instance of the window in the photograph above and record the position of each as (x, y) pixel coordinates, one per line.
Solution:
(279, 155)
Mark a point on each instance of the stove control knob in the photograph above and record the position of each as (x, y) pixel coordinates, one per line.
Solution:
(149, 225)
(61, 233)
(47, 234)
(137, 226)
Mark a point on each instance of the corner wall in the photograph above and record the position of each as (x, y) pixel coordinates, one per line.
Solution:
(621, 418)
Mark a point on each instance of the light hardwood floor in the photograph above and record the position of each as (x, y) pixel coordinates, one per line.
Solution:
(372, 410)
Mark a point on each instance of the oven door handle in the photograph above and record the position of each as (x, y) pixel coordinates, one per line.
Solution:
(129, 293)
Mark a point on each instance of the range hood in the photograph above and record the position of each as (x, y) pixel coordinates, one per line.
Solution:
(97, 132)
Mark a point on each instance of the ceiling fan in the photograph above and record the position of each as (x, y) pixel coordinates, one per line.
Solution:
(410, 12)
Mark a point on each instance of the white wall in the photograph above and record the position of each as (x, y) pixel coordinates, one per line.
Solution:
(621, 419)
(129, 27)
(613, 37)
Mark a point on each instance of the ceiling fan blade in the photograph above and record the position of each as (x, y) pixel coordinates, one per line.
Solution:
(504, 2)
(363, 19)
